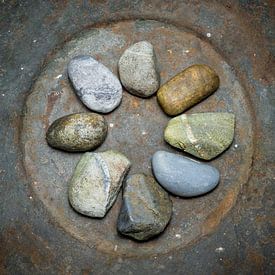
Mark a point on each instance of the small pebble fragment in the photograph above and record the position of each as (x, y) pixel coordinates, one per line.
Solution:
(137, 69)
(146, 208)
(187, 88)
(77, 132)
(204, 135)
(96, 182)
(96, 86)
(183, 176)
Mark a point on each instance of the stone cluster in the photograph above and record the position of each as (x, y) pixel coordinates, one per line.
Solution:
(98, 177)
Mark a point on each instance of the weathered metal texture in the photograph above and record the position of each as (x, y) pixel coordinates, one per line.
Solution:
(226, 231)
(136, 130)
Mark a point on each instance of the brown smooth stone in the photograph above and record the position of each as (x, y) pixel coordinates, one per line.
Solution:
(187, 88)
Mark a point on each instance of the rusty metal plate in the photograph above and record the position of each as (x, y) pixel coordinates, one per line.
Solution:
(136, 129)
(228, 231)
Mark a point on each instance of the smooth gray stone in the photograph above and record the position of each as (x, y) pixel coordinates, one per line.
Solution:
(96, 86)
(146, 208)
(183, 176)
(138, 70)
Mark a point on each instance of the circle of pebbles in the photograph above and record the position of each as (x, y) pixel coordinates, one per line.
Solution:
(135, 129)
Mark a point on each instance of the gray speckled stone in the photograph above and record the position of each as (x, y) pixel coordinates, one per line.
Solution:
(146, 208)
(183, 176)
(96, 182)
(137, 69)
(96, 86)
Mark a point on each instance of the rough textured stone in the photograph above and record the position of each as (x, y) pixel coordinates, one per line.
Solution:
(204, 135)
(187, 89)
(77, 132)
(137, 69)
(96, 182)
(146, 208)
(96, 86)
(183, 176)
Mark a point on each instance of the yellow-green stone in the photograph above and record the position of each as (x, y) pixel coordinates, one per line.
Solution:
(204, 135)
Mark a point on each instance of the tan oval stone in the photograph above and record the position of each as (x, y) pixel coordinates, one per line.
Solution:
(187, 88)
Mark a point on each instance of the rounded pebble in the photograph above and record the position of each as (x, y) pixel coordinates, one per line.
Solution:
(183, 176)
(77, 132)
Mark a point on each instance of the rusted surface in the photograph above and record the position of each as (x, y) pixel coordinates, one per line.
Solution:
(135, 129)
(231, 229)
(214, 219)
(26, 244)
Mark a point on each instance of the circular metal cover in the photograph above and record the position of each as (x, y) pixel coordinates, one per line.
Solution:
(226, 231)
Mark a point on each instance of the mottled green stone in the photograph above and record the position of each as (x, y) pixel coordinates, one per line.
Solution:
(77, 132)
(204, 135)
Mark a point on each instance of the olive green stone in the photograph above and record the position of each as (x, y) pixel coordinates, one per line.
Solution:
(204, 135)
(187, 88)
(77, 132)
(146, 208)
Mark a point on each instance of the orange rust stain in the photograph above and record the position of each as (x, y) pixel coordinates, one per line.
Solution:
(213, 220)
(99, 57)
(27, 244)
(265, 219)
(163, 74)
(58, 8)
(219, 103)
(16, 124)
(52, 98)
(71, 100)
(64, 83)
(227, 262)
(127, 29)
(86, 271)
(256, 260)
(260, 219)
(2, 261)
(135, 103)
